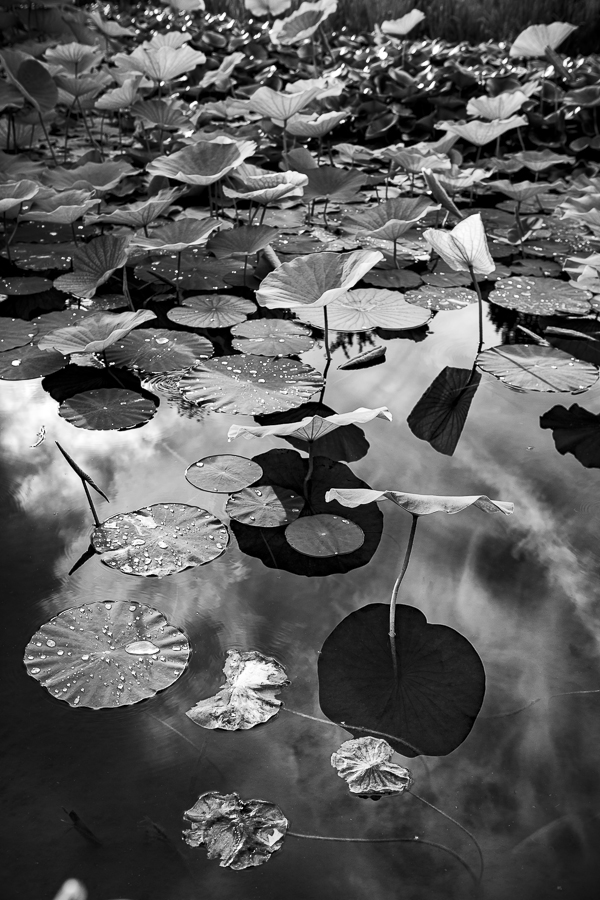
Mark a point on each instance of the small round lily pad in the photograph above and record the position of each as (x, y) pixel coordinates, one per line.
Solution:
(23, 285)
(271, 337)
(107, 409)
(107, 654)
(266, 506)
(157, 350)
(324, 535)
(160, 540)
(212, 311)
(223, 474)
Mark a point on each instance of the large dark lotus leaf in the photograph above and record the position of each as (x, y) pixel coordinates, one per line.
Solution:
(42, 257)
(288, 469)
(104, 655)
(250, 385)
(271, 337)
(212, 311)
(540, 296)
(16, 333)
(346, 443)
(441, 298)
(23, 285)
(26, 362)
(107, 409)
(537, 368)
(324, 535)
(160, 540)
(433, 700)
(440, 415)
(223, 474)
(576, 431)
(393, 278)
(159, 350)
(72, 380)
(266, 506)
(192, 270)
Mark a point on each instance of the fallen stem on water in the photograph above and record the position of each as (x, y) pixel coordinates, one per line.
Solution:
(458, 825)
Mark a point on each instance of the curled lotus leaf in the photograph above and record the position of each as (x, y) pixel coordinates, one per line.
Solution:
(418, 504)
(247, 698)
(108, 409)
(324, 535)
(311, 428)
(107, 654)
(203, 162)
(366, 765)
(95, 333)
(465, 247)
(239, 833)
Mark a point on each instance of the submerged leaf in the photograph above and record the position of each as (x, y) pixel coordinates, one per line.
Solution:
(248, 697)
(365, 764)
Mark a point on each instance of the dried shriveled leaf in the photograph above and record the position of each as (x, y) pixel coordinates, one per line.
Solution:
(366, 766)
(16, 333)
(203, 162)
(248, 697)
(540, 296)
(159, 350)
(532, 42)
(419, 504)
(22, 363)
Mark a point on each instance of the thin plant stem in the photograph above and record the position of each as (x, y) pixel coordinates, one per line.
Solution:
(458, 825)
(513, 712)
(126, 293)
(309, 471)
(47, 136)
(396, 588)
(480, 302)
(326, 330)
(91, 502)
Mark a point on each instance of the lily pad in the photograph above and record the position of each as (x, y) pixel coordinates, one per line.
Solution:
(160, 540)
(107, 409)
(577, 431)
(192, 270)
(22, 363)
(16, 333)
(534, 368)
(271, 337)
(250, 385)
(540, 296)
(159, 350)
(95, 332)
(41, 257)
(267, 506)
(366, 766)
(212, 311)
(428, 706)
(438, 298)
(248, 697)
(24, 285)
(223, 474)
(367, 308)
(397, 279)
(239, 833)
(324, 535)
(107, 654)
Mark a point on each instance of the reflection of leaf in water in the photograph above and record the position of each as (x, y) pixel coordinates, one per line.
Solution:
(577, 431)
(247, 698)
(103, 655)
(440, 415)
(365, 764)
(240, 833)
(433, 700)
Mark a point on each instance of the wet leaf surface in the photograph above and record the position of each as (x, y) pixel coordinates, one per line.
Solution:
(267, 506)
(534, 368)
(107, 409)
(223, 474)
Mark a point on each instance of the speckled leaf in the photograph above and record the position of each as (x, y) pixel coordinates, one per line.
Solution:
(271, 337)
(24, 285)
(22, 363)
(16, 333)
(534, 368)
(104, 655)
(367, 308)
(160, 540)
(324, 535)
(159, 350)
(267, 506)
(223, 474)
(366, 765)
(540, 296)
(212, 311)
(441, 298)
(107, 409)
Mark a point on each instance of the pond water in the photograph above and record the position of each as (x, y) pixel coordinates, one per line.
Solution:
(522, 589)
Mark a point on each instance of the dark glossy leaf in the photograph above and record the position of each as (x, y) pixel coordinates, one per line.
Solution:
(540, 296)
(223, 474)
(267, 506)
(433, 700)
(23, 363)
(16, 333)
(159, 350)
(107, 409)
(347, 443)
(324, 535)
(24, 285)
(577, 431)
(440, 415)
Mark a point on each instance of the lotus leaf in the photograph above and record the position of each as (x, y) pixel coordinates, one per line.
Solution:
(176, 236)
(367, 308)
(159, 350)
(204, 162)
(271, 337)
(577, 431)
(250, 385)
(267, 506)
(315, 126)
(107, 654)
(534, 368)
(240, 833)
(439, 416)
(107, 409)
(400, 27)
(311, 428)
(93, 264)
(95, 333)
(419, 504)
(366, 765)
(223, 474)
(14, 193)
(440, 298)
(16, 333)
(540, 296)
(346, 442)
(429, 704)
(465, 247)
(31, 78)
(280, 105)
(333, 183)
(22, 363)
(248, 697)
(137, 215)
(242, 241)
(502, 106)
(212, 311)
(324, 535)
(160, 63)
(532, 42)
(160, 540)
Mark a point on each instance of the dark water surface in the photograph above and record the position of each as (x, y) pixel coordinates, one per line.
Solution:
(523, 589)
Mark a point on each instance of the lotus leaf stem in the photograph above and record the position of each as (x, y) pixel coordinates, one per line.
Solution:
(458, 825)
(47, 136)
(480, 304)
(396, 588)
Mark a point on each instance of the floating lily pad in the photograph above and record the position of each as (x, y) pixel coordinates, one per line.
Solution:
(446, 280)
(248, 697)
(104, 655)
(324, 535)
(73, 380)
(240, 833)
(58, 318)
(577, 431)
(534, 368)
(160, 540)
(267, 506)
(366, 766)
(159, 350)
(271, 337)
(441, 298)
(24, 285)
(540, 296)
(192, 270)
(223, 474)
(250, 385)
(364, 309)
(22, 363)
(212, 311)
(42, 257)
(16, 333)
(397, 279)
(429, 706)
(107, 409)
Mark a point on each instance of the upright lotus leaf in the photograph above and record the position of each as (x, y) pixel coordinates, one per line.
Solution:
(540, 296)
(280, 105)
(333, 183)
(14, 193)
(302, 23)
(314, 126)
(532, 42)
(160, 540)
(248, 697)
(400, 27)
(160, 63)
(311, 428)
(95, 333)
(538, 160)
(107, 654)
(481, 133)
(346, 443)
(324, 535)
(427, 706)
(139, 214)
(176, 236)
(315, 280)
(367, 308)
(577, 431)
(167, 116)
(242, 241)
(74, 58)
(31, 78)
(239, 833)
(63, 207)
(535, 368)
(366, 766)
(439, 416)
(100, 177)
(157, 350)
(390, 220)
(203, 162)
(502, 106)
(220, 77)
(419, 504)
(465, 248)
(93, 264)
